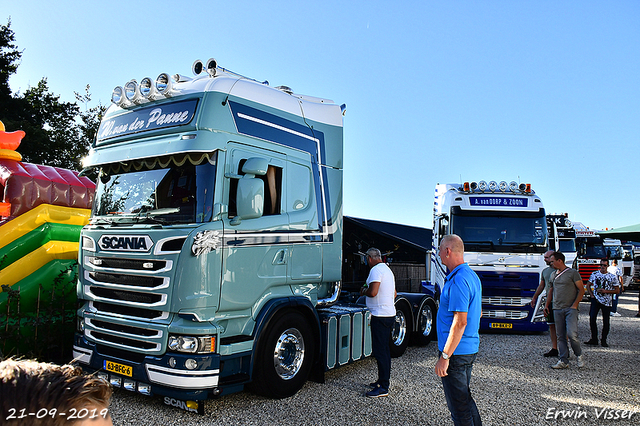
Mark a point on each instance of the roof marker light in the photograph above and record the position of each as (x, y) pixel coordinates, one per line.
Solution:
(474, 186)
(513, 186)
(522, 187)
(528, 189)
(465, 187)
(482, 186)
(493, 185)
(503, 186)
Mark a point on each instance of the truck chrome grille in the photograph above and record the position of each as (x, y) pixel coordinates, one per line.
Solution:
(128, 264)
(513, 315)
(128, 280)
(115, 333)
(506, 301)
(129, 311)
(116, 295)
(124, 342)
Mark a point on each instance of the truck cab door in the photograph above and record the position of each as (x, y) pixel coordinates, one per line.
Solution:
(256, 250)
(305, 250)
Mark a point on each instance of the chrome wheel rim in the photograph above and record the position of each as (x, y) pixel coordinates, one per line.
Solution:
(288, 354)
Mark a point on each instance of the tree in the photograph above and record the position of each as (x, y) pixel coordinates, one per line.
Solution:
(57, 133)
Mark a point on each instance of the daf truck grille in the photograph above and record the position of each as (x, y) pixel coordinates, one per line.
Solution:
(513, 315)
(506, 301)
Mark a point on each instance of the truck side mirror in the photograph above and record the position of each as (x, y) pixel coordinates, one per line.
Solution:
(255, 166)
(250, 193)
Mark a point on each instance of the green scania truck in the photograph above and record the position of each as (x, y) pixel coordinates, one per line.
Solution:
(213, 258)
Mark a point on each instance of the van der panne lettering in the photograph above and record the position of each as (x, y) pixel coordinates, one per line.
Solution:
(156, 118)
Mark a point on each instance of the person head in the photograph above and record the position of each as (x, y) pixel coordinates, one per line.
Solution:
(557, 260)
(451, 251)
(547, 257)
(39, 387)
(604, 264)
(373, 257)
(614, 262)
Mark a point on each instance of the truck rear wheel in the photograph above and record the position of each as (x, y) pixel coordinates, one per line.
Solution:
(401, 329)
(285, 357)
(425, 321)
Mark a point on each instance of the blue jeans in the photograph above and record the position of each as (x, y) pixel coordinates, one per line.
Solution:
(380, 340)
(567, 325)
(457, 392)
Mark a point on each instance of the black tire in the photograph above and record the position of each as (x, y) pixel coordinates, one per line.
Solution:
(284, 357)
(425, 323)
(402, 327)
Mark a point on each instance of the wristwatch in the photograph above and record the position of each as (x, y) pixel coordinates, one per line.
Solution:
(445, 356)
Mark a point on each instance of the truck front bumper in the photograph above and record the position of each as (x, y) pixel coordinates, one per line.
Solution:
(165, 375)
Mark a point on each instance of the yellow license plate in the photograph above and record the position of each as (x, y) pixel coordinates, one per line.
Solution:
(501, 325)
(114, 367)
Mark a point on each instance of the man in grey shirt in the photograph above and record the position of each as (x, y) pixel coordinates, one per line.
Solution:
(566, 291)
(545, 284)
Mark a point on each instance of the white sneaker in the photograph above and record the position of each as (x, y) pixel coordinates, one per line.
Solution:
(615, 314)
(580, 359)
(560, 364)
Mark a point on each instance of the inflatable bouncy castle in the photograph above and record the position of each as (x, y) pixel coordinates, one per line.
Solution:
(42, 210)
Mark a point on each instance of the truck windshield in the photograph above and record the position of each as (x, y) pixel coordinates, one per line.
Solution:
(591, 248)
(169, 190)
(567, 246)
(516, 232)
(614, 252)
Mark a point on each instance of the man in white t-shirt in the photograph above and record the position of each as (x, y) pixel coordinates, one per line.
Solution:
(613, 269)
(380, 290)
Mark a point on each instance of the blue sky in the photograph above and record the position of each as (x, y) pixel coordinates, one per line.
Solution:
(541, 92)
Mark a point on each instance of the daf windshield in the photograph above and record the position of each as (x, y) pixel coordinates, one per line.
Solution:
(503, 232)
(167, 190)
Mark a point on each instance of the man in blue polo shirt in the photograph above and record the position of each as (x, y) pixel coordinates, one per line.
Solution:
(458, 325)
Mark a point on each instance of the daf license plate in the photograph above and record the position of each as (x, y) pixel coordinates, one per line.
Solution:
(500, 325)
(114, 367)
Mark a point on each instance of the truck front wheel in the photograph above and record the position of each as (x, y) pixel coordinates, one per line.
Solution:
(285, 357)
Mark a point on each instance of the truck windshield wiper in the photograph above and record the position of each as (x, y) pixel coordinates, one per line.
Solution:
(152, 215)
(533, 245)
(102, 221)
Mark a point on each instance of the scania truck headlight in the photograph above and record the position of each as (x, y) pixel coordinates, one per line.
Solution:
(192, 344)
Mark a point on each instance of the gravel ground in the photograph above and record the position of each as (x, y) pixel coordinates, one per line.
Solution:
(512, 385)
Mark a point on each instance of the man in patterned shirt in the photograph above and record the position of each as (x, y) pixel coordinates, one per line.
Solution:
(602, 286)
